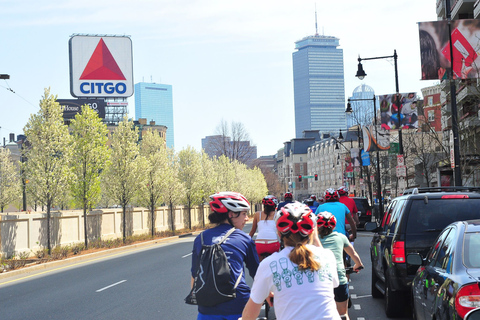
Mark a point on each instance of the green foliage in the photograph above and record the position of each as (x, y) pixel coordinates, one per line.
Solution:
(10, 188)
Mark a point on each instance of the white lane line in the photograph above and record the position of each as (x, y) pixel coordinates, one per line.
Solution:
(112, 285)
(351, 287)
(353, 295)
(360, 318)
(357, 307)
(187, 255)
(365, 296)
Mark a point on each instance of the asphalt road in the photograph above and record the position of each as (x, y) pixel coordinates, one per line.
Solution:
(143, 283)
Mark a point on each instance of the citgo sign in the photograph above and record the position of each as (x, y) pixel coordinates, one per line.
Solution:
(101, 66)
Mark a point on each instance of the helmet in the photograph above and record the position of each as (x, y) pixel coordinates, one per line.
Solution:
(270, 201)
(326, 219)
(331, 194)
(222, 202)
(342, 191)
(295, 217)
(288, 195)
(313, 197)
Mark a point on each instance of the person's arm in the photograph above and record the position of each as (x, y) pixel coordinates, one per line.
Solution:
(191, 283)
(251, 260)
(352, 226)
(251, 310)
(354, 255)
(254, 225)
(355, 213)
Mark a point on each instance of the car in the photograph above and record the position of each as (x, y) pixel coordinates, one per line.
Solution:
(364, 210)
(410, 225)
(446, 285)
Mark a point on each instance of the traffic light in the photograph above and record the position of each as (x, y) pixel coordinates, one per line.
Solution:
(299, 178)
(316, 177)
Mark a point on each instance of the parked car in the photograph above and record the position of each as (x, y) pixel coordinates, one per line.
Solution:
(411, 224)
(446, 285)
(364, 210)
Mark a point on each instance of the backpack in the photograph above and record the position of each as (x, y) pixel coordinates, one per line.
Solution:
(211, 285)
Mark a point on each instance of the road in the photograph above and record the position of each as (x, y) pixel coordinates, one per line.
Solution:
(144, 283)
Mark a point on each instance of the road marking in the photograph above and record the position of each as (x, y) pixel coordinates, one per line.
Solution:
(360, 318)
(351, 287)
(357, 307)
(365, 296)
(187, 255)
(354, 296)
(112, 285)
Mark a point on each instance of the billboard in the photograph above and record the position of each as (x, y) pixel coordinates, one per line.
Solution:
(389, 116)
(370, 142)
(73, 106)
(435, 55)
(101, 67)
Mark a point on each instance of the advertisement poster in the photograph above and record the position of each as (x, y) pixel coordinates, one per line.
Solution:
(389, 115)
(370, 142)
(435, 53)
(355, 155)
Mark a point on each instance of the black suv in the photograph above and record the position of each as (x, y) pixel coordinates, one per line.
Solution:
(411, 224)
(364, 210)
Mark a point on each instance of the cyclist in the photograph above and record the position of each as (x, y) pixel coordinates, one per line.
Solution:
(287, 198)
(338, 243)
(301, 277)
(314, 198)
(267, 240)
(350, 203)
(340, 211)
(229, 209)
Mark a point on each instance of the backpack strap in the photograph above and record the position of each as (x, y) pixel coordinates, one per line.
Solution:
(241, 272)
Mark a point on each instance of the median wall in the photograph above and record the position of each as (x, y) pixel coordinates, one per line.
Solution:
(24, 232)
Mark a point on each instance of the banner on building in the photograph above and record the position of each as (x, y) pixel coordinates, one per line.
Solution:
(355, 155)
(390, 113)
(379, 140)
(435, 54)
(365, 158)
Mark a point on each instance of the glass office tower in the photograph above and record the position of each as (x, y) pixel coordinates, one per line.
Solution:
(153, 101)
(319, 88)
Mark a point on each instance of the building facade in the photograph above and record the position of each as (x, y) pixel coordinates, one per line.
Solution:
(154, 102)
(319, 88)
(218, 145)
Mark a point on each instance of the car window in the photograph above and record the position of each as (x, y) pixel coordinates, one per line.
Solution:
(392, 223)
(471, 254)
(437, 253)
(449, 248)
(435, 214)
(361, 204)
(386, 217)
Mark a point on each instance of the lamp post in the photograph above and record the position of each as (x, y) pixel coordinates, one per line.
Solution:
(350, 110)
(361, 74)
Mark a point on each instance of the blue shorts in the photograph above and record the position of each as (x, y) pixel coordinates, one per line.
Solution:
(341, 293)
(217, 317)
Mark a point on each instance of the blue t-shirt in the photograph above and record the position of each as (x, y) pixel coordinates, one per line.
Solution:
(239, 249)
(339, 210)
(282, 204)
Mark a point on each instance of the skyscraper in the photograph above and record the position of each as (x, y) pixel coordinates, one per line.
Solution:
(153, 101)
(362, 109)
(319, 88)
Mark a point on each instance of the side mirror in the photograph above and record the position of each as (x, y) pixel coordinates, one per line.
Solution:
(371, 226)
(414, 259)
(473, 315)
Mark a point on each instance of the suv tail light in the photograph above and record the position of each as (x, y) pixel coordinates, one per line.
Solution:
(467, 298)
(398, 252)
(455, 196)
(369, 212)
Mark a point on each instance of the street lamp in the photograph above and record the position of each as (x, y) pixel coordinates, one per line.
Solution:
(349, 111)
(361, 75)
(4, 76)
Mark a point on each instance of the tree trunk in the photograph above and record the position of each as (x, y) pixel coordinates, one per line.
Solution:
(85, 224)
(152, 211)
(172, 216)
(124, 222)
(49, 247)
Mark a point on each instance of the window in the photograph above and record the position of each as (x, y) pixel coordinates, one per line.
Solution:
(439, 250)
(430, 101)
(431, 115)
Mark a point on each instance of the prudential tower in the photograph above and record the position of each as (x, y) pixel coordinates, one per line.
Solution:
(319, 88)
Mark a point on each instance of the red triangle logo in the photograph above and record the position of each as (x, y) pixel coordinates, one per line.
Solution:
(102, 65)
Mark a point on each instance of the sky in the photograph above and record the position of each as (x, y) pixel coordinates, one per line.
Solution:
(227, 60)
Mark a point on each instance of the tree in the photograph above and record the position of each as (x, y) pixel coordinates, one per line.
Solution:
(231, 141)
(173, 188)
(90, 156)
(153, 151)
(9, 180)
(48, 168)
(209, 180)
(124, 174)
(190, 174)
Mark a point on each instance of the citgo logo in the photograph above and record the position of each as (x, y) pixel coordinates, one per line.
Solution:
(102, 66)
(107, 72)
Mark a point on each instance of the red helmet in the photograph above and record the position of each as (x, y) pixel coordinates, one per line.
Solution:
(331, 194)
(288, 195)
(342, 191)
(270, 201)
(314, 197)
(223, 202)
(326, 219)
(295, 217)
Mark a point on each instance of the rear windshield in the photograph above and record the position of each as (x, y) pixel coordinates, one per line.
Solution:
(436, 214)
(362, 205)
(471, 254)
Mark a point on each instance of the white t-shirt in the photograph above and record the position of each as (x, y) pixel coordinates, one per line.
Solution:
(298, 294)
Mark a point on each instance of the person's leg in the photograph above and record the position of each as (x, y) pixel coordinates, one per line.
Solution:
(341, 300)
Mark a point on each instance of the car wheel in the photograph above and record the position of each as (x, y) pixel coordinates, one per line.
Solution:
(375, 292)
(394, 301)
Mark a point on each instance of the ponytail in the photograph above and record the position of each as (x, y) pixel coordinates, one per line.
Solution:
(300, 255)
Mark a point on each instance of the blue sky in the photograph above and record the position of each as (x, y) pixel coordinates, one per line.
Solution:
(226, 59)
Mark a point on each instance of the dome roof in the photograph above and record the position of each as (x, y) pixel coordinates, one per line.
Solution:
(363, 88)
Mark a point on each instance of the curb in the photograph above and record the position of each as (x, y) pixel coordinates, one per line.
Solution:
(56, 263)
